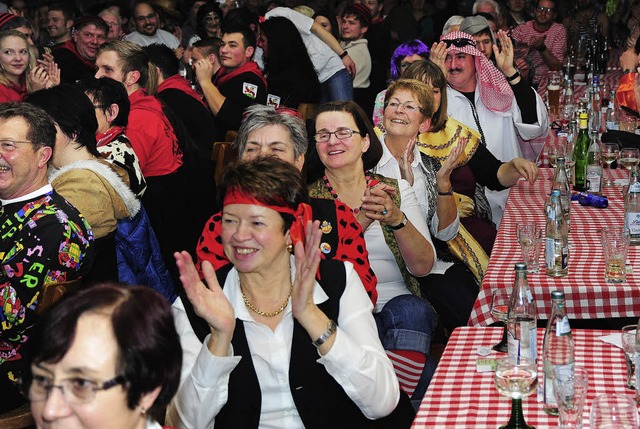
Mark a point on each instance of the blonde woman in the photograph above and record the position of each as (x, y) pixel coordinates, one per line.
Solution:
(18, 71)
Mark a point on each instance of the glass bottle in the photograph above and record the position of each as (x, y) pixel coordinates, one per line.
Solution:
(561, 183)
(593, 172)
(556, 239)
(568, 101)
(613, 113)
(558, 349)
(522, 318)
(580, 153)
(632, 206)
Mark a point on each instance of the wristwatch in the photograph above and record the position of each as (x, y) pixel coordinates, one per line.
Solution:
(401, 225)
(331, 329)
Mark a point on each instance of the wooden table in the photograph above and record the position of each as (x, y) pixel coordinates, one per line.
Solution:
(588, 296)
(461, 397)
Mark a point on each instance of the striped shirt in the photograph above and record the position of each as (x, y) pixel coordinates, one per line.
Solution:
(556, 42)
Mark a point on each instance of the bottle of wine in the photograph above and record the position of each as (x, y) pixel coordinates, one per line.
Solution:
(558, 349)
(632, 206)
(521, 322)
(613, 114)
(556, 239)
(580, 153)
(561, 183)
(593, 172)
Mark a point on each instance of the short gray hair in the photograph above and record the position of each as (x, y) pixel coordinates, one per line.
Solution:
(452, 22)
(493, 3)
(259, 116)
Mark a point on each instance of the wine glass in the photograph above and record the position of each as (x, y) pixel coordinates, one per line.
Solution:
(609, 154)
(516, 381)
(500, 312)
(629, 157)
(613, 411)
(554, 152)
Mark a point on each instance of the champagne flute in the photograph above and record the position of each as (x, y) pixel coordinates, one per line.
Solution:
(500, 312)
(609, 154)
(516, 381)
(629, 157)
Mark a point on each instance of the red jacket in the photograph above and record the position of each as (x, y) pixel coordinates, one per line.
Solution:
(624, 94)
(152, 137)
(12, 92)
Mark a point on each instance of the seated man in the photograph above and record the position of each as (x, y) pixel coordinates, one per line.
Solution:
(44, 238)
(238, 84)
(77, 56)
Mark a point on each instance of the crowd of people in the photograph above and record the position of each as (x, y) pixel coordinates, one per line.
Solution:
(307, 286)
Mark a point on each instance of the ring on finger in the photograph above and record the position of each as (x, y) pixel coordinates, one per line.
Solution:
(384, 212)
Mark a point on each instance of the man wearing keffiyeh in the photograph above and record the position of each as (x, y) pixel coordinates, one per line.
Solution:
(494, 100)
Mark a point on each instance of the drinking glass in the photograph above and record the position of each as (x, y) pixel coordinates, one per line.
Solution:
(570, 390)
(629, 347)
(613, 411)
(530, 237)
(609, 154)
(555, 151)
(615, 245)
(553, 94)
(500, 312)
(629, 157)
(516, 381)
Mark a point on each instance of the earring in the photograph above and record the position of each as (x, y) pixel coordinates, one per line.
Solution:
(290, 248)
(143, 411)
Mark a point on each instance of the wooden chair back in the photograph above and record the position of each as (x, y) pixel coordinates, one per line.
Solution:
(307, 110)
(223, 153)
(20, 418)
(53, 292)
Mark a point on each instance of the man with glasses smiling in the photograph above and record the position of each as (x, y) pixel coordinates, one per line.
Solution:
(44, 238)
(495, 101)
(546, 40)
(147, 28)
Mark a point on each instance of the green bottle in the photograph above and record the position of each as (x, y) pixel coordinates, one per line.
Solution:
(580, 153)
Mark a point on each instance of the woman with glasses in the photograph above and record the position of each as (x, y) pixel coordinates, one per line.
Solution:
(106, 357)
(402, 57)
(279, 339)
(395, 231)
(453, 153)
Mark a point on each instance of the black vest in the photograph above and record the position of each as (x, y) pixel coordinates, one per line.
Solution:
(321, 402)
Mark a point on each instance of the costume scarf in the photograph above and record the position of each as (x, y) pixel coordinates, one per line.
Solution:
(224, 75)
(107, 137)
(181, 84)
(438, 145)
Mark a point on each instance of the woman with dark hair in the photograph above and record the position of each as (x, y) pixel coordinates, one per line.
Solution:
(106, 357)
(209, 22)
(328, 21)
(82, 176)
(397, 236)
(277, 340)
(112, 113)
(291, 78)
(405, 54)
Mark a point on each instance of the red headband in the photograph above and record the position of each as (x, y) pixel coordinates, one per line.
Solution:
(302, 215)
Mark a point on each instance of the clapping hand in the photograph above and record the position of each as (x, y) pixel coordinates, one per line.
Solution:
(209, 303)
(406, 159)
(307, 258)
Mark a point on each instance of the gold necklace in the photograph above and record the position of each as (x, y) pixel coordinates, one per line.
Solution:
(264, 313)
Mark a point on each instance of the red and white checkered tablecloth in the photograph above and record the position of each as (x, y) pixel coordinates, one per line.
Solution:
(461, 397)
(588, 296)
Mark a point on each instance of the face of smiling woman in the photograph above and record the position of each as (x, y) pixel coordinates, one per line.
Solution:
(402, 115)
(340, 153)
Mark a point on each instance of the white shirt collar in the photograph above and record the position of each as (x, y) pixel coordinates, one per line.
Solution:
(387, 156)
(44, 190)
(234, 294)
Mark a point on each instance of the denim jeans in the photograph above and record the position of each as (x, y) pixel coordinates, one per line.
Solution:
(407, 323)
(337, 87)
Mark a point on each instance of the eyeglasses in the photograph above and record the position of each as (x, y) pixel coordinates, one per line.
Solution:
(146, 18)
(340, 133)
(460, 42)
(211, 16)
(75, 390)
(7, 145)
(544, 9)
(407, 106)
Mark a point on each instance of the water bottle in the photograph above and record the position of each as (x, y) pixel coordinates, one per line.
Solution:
(632, 206)
(521, 322)
(558, 349)
(561, 183)
(556, 239)
(613, 114)
(593, 172)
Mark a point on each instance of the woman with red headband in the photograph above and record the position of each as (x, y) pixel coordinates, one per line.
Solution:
(279, 340)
